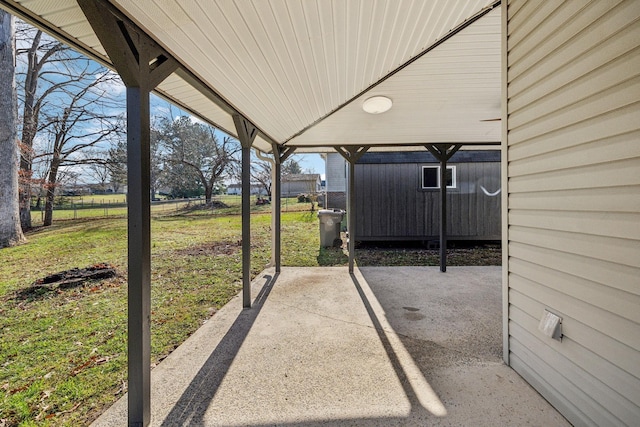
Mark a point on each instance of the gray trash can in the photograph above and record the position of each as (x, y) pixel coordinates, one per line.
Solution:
(330, 221)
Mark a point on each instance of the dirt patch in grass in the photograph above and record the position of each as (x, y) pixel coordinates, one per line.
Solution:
(210, 249)
(66, 280)
(215, 204)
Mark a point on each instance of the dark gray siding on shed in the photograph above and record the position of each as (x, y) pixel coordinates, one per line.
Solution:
(392, 205)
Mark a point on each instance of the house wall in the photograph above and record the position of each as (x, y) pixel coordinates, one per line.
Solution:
(335, 173)
(572, 160)
(336, 181)
(392, 205)
(337, 200)
(255, 189)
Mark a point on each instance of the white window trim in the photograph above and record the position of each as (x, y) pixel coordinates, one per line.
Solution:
(437, 168)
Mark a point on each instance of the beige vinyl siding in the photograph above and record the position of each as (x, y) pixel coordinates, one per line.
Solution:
(573, 213)
(336, 173)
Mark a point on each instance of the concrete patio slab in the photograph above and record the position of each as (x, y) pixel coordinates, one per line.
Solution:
(387, 346)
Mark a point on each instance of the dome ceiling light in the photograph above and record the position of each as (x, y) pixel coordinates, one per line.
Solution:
(377, 104)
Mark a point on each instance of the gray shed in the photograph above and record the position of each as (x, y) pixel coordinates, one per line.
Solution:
(398, 198)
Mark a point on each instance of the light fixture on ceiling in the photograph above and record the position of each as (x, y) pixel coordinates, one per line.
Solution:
(377, 104)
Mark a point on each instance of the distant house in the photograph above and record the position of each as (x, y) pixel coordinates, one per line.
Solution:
(303, 183)
(89, 188)
(397, 195)
(233, 189)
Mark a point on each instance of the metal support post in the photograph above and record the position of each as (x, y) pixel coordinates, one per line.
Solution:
(351, 155)
(246, 227)
(139, 238)
(443, 153)
(351, 215)
(443, 214)
(246, 134)
(142, 65)
(275, 205)
(280, 154)
(276, 211)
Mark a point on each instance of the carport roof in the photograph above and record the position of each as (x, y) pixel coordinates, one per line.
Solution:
(301, 70)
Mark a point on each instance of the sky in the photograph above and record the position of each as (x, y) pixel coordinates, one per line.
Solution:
(312, 162)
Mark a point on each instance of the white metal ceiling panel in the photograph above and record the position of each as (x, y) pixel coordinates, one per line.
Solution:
(68, 17)
(445, 96)
(174, 87)
(288, 64)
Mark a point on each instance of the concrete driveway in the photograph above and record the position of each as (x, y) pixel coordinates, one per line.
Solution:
(387, 346)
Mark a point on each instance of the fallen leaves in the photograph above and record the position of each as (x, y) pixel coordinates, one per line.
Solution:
(94, 360)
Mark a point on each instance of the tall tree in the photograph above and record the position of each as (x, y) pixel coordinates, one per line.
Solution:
(98, 168)
(193, 149)
(291, 167)
(10, 230)
(261, 175)
(89, 117)
(37, 52)
(117, 164)
(157, 172)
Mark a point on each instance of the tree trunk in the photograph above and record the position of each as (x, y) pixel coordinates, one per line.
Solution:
(25, 200)
(10, 230)
(26, 157)
(208, 193)
(51, 191)
(29, 126)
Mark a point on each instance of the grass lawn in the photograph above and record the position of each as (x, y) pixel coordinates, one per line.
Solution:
(63, 352)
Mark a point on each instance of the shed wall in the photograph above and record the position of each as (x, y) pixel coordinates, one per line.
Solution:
(573, 156)
(392, 205)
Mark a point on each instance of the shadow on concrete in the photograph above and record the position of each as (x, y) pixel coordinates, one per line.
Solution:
(417, 407)
(192, 405)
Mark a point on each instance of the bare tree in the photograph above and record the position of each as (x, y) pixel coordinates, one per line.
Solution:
(98, 168)
(10, 230)
(312, 189)
(88, 119)
(48, 72)
(194, 151)
(261, 171)
(157, 171)
(261, 174)
(36, 52)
